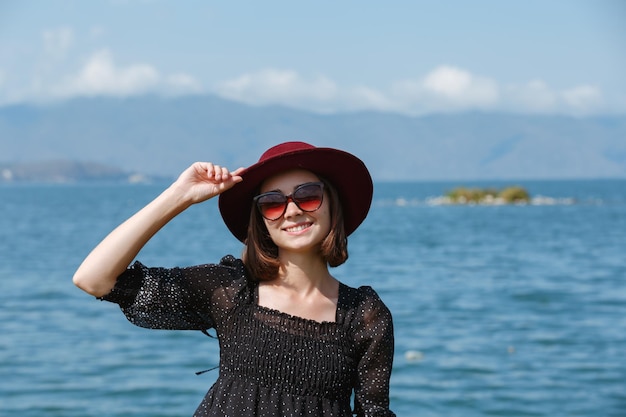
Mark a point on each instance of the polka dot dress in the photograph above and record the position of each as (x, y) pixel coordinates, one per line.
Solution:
(271, 363)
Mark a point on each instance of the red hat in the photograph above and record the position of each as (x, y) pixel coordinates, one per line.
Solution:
(347, 173)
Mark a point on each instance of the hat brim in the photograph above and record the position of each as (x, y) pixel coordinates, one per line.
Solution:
(347, 173)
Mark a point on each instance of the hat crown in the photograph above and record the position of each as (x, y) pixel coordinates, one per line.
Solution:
(284, 148)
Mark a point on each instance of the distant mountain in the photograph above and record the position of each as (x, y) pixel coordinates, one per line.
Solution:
(63, 171)
(160, 137)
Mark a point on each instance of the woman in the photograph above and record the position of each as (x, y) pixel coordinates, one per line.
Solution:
(294, 341)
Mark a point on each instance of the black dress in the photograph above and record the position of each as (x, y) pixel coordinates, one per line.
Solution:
(271, 363)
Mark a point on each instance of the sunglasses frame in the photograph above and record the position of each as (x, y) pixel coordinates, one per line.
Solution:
(289, 198)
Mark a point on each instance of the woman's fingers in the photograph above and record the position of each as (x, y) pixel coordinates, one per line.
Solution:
(215, 173)
(238, 171)
(220, 174)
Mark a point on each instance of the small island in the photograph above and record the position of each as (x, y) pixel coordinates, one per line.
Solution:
(508, 195)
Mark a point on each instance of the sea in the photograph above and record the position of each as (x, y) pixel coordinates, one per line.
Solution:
(499, 310)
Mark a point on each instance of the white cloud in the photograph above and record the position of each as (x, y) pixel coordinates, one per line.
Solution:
(446, 89)
(365, 98)
(101, 76)
(537, 96)
(534, 96)
(583, 98)
(448, 81)
(273, 86)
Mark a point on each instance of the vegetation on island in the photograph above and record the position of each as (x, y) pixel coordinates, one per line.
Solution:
(508, 195)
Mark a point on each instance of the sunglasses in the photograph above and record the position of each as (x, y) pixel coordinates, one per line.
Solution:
(273, 204)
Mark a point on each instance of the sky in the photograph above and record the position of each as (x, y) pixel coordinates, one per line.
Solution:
(409, 57)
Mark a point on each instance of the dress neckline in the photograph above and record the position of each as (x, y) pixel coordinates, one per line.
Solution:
(339, 309)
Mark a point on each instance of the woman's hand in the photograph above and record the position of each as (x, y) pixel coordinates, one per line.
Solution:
(204, 180)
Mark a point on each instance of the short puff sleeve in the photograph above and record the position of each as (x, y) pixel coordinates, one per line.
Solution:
(188, 298)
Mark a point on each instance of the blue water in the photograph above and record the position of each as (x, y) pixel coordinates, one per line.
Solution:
(499, 310)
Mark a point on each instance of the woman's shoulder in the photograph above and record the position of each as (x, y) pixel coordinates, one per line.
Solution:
(228, 264)
(364, 302)
(230, 272)
(359, 295)
(229, 261)
(229, 269)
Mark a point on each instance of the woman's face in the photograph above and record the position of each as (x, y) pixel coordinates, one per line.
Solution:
(297, 230)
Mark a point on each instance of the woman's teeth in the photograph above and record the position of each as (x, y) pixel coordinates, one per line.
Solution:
(297, 228)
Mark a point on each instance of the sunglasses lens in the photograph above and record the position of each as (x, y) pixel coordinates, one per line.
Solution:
(309, 197)
(272, 205)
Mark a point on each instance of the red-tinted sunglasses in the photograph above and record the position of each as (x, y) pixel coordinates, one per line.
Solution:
(273, 204)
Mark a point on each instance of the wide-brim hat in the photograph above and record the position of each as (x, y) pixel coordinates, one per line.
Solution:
(347, 173)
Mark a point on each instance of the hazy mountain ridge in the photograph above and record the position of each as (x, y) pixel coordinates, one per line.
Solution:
(65, 171)
(160, 137)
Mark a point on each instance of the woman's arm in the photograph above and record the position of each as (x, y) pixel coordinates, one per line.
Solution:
(376, 342)
(201, 181)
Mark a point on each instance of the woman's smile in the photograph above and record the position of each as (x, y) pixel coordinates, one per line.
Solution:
(298, 227)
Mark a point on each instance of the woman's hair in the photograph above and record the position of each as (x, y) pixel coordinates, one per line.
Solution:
(260, 254)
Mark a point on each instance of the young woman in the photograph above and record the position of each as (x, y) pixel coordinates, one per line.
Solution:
(294, 341)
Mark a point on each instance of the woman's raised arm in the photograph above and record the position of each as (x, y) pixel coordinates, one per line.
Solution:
(201, 181)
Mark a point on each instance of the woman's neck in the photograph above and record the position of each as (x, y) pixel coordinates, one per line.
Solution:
(303, 288)
(303, 273)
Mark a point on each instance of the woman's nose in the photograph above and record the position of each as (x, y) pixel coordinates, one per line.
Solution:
(292, 209)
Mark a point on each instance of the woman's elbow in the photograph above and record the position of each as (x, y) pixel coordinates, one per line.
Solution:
(90, 286)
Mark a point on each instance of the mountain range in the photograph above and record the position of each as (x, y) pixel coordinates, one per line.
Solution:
(159, 137)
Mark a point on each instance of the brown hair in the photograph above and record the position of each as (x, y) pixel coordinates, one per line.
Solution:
(260, 254)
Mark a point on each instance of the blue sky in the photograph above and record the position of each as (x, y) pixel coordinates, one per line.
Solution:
(411, 57)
